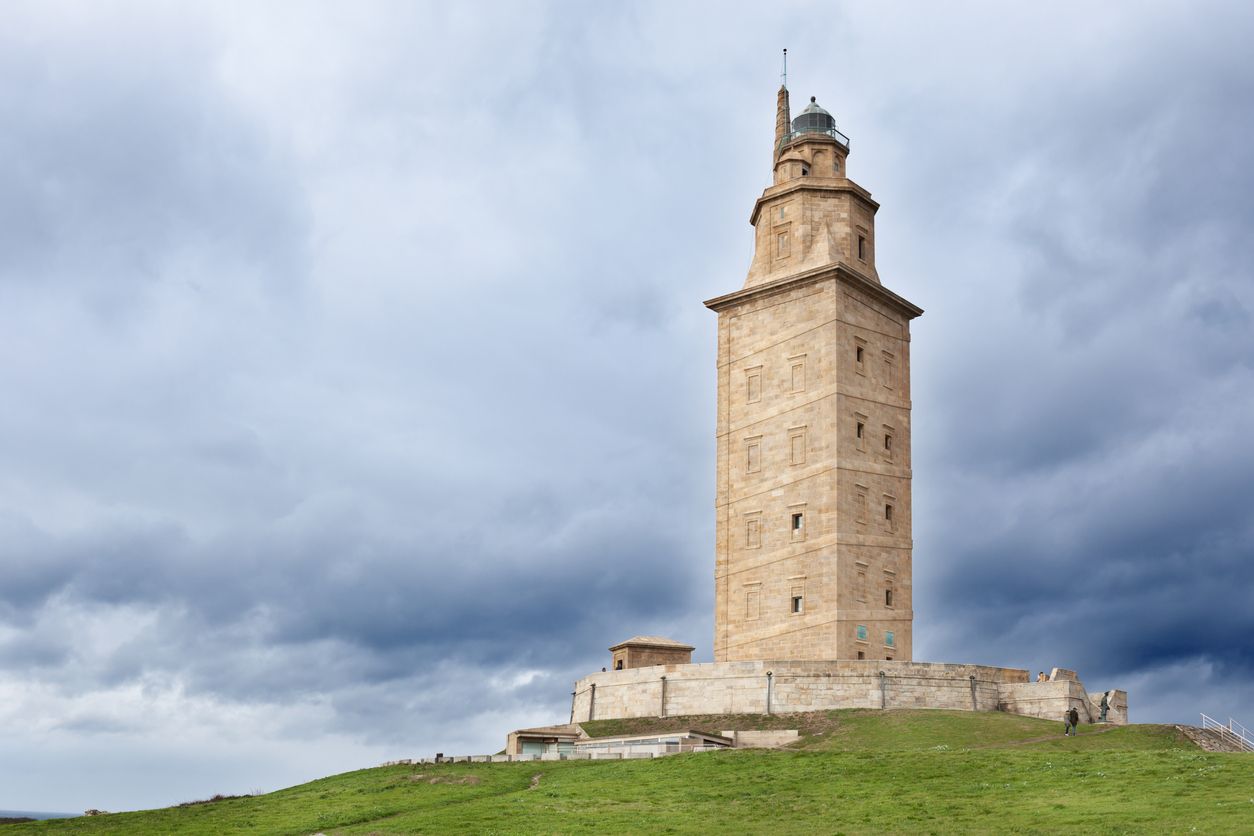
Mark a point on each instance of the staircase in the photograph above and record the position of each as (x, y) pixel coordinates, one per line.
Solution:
(1234, 733)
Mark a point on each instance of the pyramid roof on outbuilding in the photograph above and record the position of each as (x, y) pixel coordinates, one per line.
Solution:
(652, 641)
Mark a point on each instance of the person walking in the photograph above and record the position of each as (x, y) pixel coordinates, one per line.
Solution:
(1066, 723)
(1074, 717)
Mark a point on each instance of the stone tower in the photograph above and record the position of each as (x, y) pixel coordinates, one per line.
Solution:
(813, 543)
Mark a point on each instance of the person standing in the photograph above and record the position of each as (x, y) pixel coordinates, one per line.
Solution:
(1105, 706)
(1066, 723)
(1074, 717)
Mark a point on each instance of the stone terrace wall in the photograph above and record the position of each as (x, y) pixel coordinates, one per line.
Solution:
(1050, 699)
(793, 686)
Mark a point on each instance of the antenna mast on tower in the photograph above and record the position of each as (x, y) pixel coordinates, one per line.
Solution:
(783, 76)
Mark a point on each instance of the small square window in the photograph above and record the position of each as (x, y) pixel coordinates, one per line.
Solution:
(797, 603)
(888, 639)
(888, 658)
(797, 522)
(805, 171)
(861, 654)
(861, 632)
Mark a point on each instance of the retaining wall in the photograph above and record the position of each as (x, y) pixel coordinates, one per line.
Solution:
(786, 687)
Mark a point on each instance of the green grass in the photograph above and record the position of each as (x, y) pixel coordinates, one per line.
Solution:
(851, 772)
(858, 729)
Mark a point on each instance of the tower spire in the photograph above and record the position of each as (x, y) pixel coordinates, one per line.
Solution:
(782, 115)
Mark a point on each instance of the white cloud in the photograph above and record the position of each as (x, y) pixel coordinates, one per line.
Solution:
(359, 394)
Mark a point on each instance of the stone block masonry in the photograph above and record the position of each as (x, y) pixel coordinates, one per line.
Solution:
(791, 686)
(813, 545)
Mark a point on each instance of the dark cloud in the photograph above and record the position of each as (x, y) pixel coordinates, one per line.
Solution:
(1098, 436)
(359, 394)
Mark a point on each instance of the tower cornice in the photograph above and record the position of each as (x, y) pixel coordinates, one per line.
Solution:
(834, 271)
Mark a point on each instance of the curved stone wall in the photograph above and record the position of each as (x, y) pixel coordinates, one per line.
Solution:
(786, 687)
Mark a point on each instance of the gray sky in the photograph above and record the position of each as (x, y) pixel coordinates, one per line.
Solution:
(357, 391)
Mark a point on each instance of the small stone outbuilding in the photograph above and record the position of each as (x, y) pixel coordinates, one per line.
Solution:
(645, 651)
(544, 740)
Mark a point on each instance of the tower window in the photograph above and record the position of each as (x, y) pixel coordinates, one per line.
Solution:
(888, 512)
(753, 384)
(797, 603)
(888, 597)
(857, 355)
(860, 427)
(888, 442)
(753, 532)
(797, 446)
(861, 654)
(797, 521)
(861, 632)
(862, 247)
(798, 373)
(783, 239)
(753, 455)
(752, 605)
(805, 171)
(888, 639)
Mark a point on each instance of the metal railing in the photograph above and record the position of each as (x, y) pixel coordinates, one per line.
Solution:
(1234, 732)
(833, 133)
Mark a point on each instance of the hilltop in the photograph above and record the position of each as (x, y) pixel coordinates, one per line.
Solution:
(851, 771)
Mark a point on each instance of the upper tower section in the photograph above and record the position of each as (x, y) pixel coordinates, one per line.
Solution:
(812, 215)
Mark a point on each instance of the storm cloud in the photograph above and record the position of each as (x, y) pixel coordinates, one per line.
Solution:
(358, 393)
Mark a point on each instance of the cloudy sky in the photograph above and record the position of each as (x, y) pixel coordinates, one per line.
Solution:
(357, 393)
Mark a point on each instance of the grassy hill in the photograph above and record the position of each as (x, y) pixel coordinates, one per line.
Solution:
(851, 772)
